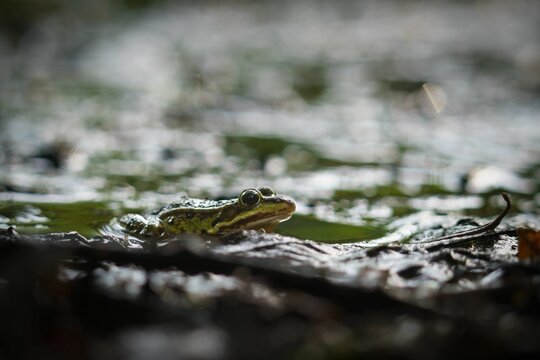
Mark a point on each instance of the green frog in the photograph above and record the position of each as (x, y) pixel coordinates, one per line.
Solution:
(259, 209)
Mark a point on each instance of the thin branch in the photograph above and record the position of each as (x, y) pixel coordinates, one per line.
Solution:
(481, 230)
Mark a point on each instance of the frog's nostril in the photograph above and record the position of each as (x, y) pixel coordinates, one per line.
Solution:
(289, 202)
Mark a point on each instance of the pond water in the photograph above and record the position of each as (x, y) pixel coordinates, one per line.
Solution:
(377, 118)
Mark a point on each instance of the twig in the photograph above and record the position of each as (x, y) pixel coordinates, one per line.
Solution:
(481, 232)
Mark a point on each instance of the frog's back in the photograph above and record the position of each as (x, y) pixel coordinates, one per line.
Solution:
(190, 215)
(191, 204)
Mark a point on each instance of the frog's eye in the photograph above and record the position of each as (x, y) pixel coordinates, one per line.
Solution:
(266, 191)
(250, 197)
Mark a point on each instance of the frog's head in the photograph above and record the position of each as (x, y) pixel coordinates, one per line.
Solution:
(254, 209)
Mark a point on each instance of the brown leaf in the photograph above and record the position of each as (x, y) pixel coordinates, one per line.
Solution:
(528, 244)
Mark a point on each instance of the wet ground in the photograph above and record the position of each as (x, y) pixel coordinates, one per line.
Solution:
(388, 123)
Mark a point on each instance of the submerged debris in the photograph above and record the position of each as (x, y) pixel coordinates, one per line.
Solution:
(251, 283)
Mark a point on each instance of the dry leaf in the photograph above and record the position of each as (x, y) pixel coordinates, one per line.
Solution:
(528, 244)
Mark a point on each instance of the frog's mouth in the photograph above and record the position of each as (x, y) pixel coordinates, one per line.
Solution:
(264, 222)
(267, 219)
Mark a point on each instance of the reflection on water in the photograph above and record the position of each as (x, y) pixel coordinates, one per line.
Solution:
(364, 113)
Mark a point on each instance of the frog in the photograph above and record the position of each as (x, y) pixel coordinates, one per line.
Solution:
(255, 209)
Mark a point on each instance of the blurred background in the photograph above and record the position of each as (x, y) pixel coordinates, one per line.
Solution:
(364, 112)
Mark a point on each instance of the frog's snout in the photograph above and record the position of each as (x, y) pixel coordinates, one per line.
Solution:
(285, 202)
(290, 202)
